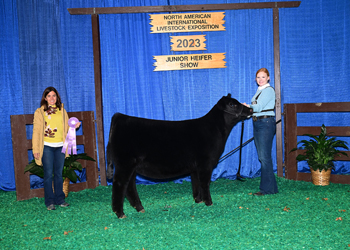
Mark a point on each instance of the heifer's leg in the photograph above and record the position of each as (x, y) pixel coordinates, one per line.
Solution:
(133, 196)
(196, 189)
(120, 184)
(118, 194)
(204, 182)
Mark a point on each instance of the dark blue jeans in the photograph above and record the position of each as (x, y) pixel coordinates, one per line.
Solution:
(53, 161)
(264, 132)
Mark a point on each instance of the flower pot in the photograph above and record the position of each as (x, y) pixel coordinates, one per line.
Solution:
(66, 186)
(321, 178)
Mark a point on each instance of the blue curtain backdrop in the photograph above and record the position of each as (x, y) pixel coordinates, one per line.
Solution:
(43, 45)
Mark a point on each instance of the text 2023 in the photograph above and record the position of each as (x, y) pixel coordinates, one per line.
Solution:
(191, 43)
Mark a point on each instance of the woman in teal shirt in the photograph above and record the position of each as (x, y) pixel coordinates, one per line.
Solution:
(264, 130)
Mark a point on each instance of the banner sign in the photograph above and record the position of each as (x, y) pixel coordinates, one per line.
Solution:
(187, 22)
(189, 61)
(188, 43)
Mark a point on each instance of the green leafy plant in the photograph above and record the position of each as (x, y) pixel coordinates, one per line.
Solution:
(320, 150)
(70, 165)
(33, 168)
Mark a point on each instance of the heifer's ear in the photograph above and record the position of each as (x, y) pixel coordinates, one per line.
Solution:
(229, 95)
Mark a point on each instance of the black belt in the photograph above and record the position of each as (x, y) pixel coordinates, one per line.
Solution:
(255, 118)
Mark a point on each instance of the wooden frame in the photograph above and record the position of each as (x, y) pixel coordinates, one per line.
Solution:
(94, 12)
(21, 145)
(291, 131)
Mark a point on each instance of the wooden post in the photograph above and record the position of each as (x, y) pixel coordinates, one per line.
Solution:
(290, 141)
(20, 153)
(98, 97)
(276, 53)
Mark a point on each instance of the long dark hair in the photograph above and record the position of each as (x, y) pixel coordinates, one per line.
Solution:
(43, 102)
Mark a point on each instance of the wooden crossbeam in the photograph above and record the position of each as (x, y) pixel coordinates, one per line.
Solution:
(181, 8)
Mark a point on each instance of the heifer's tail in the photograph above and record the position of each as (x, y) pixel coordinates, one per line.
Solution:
(110, 169)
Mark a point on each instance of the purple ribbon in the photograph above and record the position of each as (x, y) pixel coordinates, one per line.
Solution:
(71, 141)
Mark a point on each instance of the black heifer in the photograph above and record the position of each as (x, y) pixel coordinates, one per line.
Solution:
(167, 149)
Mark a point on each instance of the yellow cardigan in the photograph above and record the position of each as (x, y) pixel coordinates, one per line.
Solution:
(39, 130)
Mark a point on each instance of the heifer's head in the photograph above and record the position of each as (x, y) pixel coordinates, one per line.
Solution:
(234, 107)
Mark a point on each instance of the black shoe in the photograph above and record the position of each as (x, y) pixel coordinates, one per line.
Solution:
(258, 194)
(51, 207)
(64, 204)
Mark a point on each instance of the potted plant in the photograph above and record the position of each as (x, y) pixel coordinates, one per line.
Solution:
(70, 165)
(320, 152)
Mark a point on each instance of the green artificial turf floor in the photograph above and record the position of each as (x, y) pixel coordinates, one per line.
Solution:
(300, 216)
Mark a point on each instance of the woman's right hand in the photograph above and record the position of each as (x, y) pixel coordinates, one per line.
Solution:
(36, 156)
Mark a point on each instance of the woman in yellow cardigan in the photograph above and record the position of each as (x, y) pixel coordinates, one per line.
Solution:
(49, 133)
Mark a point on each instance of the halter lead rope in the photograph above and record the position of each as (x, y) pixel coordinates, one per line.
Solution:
(239, 177)
(240, 152)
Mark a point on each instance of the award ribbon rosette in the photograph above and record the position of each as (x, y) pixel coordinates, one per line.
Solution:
(71, 141)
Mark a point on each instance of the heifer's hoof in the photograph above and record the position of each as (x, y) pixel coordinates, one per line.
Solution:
(198, 200)
(120, 216)
(140, 209)
(209, 204)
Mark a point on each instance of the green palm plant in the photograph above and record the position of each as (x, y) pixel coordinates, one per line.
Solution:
(33, 168)
(70, 165)
(321, 150)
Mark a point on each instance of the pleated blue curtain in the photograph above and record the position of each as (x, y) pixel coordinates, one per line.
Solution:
(77, 56)
(321, 39)
(40, 51)
(10, 90)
